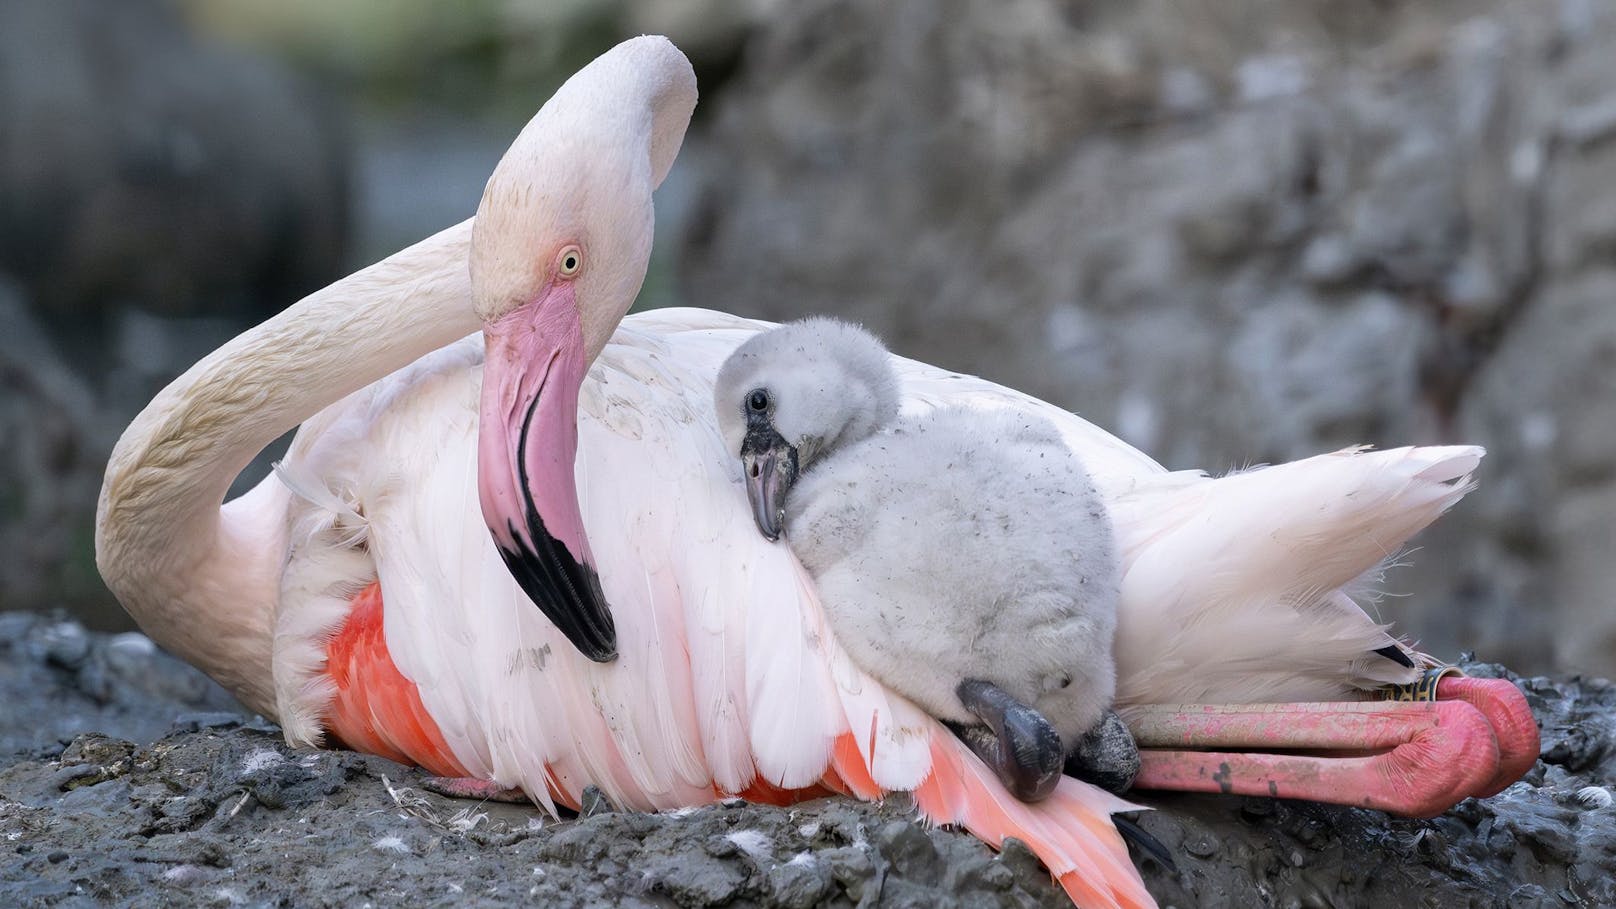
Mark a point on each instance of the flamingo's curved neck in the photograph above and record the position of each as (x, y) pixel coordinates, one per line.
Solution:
(202, 580)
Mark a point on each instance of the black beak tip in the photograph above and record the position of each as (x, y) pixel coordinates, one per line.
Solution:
(591, 628)
(595, 643)
(598, 643)
(567, 592)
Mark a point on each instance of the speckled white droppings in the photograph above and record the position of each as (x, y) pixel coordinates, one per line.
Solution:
(182, 874)
(753, 843)
(261, 759)
(391, 844)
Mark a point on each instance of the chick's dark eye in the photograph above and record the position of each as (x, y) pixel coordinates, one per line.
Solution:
(758, 400)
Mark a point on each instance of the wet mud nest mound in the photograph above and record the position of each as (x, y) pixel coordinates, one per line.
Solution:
(127, 779)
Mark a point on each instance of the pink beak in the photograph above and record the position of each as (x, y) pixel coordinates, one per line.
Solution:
(527, 442)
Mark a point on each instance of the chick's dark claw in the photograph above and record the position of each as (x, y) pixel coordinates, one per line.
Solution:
(1106, 755)
(1020, 745)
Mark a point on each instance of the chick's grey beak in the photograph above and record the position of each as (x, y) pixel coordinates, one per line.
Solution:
(771, 469)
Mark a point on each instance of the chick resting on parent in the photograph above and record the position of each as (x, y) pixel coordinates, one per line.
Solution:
(963, 556)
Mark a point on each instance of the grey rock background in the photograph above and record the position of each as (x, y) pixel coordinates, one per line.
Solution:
(145, 168)
(53, 451)
(1233, 233)
(157, 194)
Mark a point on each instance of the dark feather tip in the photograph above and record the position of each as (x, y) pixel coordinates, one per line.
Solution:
(1397, 655)
(1147, 844)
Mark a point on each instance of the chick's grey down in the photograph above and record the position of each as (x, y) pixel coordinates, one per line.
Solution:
(946, 545)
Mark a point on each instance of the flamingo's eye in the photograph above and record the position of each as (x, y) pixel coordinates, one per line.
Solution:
(758, 400)
(570, 262)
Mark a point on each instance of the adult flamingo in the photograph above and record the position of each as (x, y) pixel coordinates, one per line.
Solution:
(356, 592)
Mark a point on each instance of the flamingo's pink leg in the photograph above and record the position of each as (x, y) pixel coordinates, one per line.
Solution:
(1513, 725)
(1436, 753)
(471, 788)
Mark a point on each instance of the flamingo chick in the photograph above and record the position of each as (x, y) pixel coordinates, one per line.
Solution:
(963, 556)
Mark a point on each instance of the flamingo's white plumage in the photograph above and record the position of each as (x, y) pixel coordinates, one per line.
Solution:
(356, 591)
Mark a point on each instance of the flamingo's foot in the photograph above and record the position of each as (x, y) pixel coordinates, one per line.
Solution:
(1502, 704)
(1514, 726)
(468, 788)
(1106, 755)
(1018, 742)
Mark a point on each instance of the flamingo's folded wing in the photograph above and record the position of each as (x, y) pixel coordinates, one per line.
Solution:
(1234, 587)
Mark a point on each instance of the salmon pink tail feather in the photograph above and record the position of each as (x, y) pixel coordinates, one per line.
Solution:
(1071, 831)
(377, 710)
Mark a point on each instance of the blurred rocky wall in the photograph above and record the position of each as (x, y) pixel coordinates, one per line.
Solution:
(158, 193)
(1234, 233)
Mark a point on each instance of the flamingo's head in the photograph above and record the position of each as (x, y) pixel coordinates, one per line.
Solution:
(559, 250)
(795, 394)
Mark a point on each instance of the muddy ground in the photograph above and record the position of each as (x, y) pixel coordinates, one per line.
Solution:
(128, 779)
